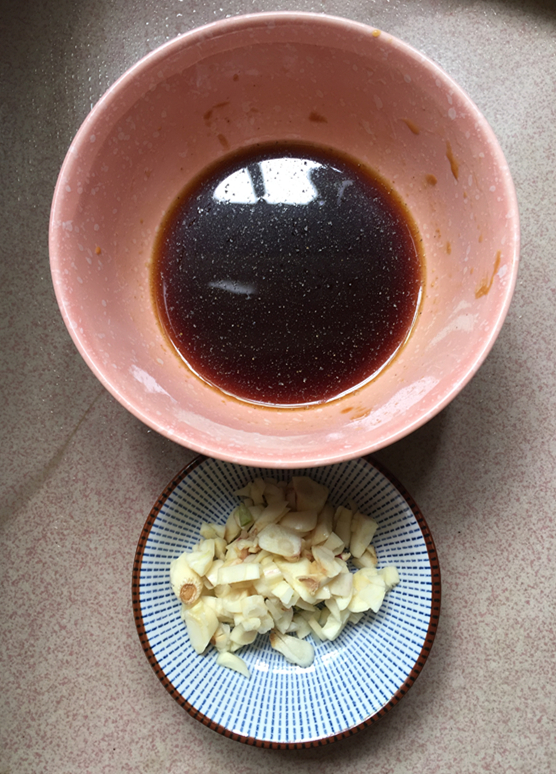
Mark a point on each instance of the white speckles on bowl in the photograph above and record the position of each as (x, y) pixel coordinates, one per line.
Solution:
(255, 79)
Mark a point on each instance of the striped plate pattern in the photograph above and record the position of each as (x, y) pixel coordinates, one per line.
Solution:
(353, 680)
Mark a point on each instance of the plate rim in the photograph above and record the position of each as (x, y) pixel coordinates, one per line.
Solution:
(265, 743)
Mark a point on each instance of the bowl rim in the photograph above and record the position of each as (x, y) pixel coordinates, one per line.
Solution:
(253, 741)
(223, 27)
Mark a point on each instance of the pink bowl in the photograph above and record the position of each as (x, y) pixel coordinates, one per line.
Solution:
(261, 78)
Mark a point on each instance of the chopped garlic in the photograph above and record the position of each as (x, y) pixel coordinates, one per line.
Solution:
(293, 649)
(362, 532)
(186, 584)
(237, 573)
(280, 540)
(309, 494)
(201, 624)
(201, 559)
(232, 661)
(342, 524)
(279, 565)
(391, 576)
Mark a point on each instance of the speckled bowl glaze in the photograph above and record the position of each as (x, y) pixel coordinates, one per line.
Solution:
(268, 77)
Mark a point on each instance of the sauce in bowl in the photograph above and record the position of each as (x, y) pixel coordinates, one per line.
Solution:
(287, 274)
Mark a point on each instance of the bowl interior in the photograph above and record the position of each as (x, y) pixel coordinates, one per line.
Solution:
(275, 77)
(354, 680)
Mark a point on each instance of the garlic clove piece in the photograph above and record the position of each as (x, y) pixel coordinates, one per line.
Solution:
(390, 576)
(369, 592)
(237, 573)
(301, 522)
(200, 559)
(342, 524)
(202, 623)
(231, 661)
(309, 494)
(293, 649)
(280, 540)
(363, 529)
(327, 561)
(186, 584)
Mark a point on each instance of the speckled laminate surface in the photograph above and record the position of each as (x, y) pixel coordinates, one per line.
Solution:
(79, 474)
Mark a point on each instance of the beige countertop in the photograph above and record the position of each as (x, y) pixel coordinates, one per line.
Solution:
(79, 474)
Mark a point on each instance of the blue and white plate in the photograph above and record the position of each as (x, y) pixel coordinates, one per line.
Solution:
(353, 680)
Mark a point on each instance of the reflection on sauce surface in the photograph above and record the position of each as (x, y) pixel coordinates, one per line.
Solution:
(287, 275)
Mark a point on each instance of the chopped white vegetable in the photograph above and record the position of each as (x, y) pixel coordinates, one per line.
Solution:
(279, 565)
(300, 522)
(326, 560)
(232, 528)
(362, 532)
(236, 573)
(323, 528)
(341, 585)
(342, 524)
(309, 494)
(201, 624)
(334, 543)
(284, 592)
(390, 576)
(212, 530)
(368, 559)
(368, 591)
(241, 636)
(231, 661)
(271, 514)
(300, 626)
(293, 649)
(201, 559)
(186, 584)
(280, 540)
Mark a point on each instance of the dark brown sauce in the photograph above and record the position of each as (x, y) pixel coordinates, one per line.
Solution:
(287, 274)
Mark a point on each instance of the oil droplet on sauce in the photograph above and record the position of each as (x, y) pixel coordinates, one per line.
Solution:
(287, 274)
